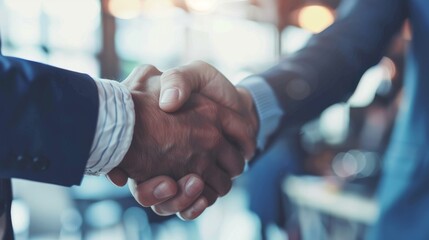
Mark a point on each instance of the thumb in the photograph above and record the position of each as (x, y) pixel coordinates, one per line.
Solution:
(199, 77)
(175, 89)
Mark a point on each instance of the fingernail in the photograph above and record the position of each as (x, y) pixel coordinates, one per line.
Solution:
(162, 191)
(197, 209)
(192, 187)
(170, 95)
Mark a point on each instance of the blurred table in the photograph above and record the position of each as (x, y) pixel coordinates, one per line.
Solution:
(325, 211)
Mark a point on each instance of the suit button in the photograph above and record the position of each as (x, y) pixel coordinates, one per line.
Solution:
(40, 163)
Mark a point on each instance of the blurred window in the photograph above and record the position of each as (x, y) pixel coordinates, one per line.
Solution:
(62, 33)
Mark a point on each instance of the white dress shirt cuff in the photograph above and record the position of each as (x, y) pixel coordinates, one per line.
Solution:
(115, 126)
(267, 107)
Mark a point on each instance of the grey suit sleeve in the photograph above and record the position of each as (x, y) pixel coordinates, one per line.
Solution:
(329, 68)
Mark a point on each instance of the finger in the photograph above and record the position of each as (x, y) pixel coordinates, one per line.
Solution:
(118, 177)
(210, 195)
(230, 160)
(141, 73)
(216, 86)
(239, 131)
(207, 198)
(153, 191)
(189, 189)
(176, 89)
(218, 180)
(178, 84)
(195, 210)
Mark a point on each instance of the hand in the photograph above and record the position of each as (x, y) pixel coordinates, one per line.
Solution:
(198, 127)
(175, 197)
(177, 85)
(162, 189)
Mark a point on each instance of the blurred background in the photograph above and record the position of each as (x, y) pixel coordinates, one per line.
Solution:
(316, 181)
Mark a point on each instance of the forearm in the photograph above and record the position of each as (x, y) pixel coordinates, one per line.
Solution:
(48, 121)
(329, 68)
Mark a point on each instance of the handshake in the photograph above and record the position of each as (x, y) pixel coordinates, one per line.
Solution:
(193, 133)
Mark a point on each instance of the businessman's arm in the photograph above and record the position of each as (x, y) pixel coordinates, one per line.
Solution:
(329, 68)
(325, 72)
(191, 140)
(203, 78)
(49, 120)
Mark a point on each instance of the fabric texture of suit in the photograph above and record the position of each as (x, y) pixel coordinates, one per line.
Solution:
(328, 70)
(47, 125)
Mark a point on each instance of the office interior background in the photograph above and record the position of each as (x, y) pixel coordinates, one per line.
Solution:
(317, 181)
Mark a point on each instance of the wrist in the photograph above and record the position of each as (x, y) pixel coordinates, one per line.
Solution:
(138, 163)
(115, 125)
(268, 109)
(250, 107)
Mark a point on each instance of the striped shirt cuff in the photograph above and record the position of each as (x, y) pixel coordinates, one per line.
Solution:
(115, 126)
(267, 107)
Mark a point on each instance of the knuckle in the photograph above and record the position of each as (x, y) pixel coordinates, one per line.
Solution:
(201, 165)
(239, 168)
(148, 67)
(214, 136)
(174, 78)
(225, 188)
(173, 74)
(210, 71)
(214, 108)
(200, 63)
(145, 68)
(210, 109)
(141, 74)
(203, 65)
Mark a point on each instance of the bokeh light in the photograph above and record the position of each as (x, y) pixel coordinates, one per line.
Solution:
(201, 5)
(124, 9)
(315, 18)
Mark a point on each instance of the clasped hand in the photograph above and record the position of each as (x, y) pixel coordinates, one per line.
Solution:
(192, 126)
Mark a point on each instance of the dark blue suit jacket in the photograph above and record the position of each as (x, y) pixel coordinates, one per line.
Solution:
(48, 118)
(328, 70)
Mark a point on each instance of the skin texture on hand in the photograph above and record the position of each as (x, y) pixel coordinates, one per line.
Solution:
(177, 86)
(202, 78)
(189, 141)
(161, 189)
(193, 140)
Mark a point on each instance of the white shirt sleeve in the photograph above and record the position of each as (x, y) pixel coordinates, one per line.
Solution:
(115, 126)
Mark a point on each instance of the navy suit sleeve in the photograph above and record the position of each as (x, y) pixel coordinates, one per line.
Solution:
(329, 68)
(47, 122)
